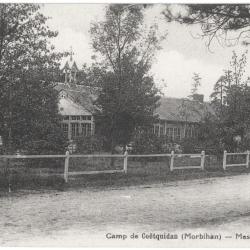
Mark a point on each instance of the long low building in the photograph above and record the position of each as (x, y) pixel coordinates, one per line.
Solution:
(178, 117)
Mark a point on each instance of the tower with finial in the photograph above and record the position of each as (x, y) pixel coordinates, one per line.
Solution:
(70, 70)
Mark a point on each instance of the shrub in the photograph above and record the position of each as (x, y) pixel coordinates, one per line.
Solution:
(189, 145)
(89, 144)
(148, 143)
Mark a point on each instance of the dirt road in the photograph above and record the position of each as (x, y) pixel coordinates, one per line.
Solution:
(218, 206)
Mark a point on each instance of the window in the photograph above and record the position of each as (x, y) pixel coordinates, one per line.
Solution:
(170, 133)
(156, 128)
(74, 129)
(177, 134)
(75, 117)
(161, 130)
(65, 128)
(190, 131)
(86, 129)
(86, 117)
(174, 133)
(66, 117)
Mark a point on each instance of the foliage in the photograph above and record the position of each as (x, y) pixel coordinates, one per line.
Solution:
(28, 66)
(149, 143)
(190, 106)
(207, 135)
(232, 105)
(91, 75)
(189, 145)
(90, 144)
(129, 96)
(226, 23)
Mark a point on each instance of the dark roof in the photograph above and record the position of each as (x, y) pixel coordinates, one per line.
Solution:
(170, 108)
(182, 109)
(83, 95)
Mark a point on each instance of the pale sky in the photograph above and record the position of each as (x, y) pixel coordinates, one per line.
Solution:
(182, 54)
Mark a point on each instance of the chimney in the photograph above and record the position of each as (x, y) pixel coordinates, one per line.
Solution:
(198, 97)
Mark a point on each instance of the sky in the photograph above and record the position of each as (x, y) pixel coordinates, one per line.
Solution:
(181, 55)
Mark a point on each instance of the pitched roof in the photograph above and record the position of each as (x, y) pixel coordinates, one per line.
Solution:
(182, 109)
(68, 107)
(170, 108)
(81, 95)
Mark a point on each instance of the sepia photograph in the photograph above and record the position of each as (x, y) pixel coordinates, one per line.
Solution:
(124, 124)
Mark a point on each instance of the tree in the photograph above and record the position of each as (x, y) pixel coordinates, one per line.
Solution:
(91, 75)
(232, 103)
(189, 106)
(232, 77)
(126, 49)
(29, 117)
(219, 94)
(226, 23)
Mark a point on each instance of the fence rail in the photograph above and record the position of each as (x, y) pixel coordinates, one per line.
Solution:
(226, 154)
(171, 160)
(201, 166)
(150, 155)
(30, 156)
(125, 157)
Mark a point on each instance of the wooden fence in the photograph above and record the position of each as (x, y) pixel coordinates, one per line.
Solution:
(170, 163)
(67, 157)
(226, 154)
(124, 156)
(201, 166)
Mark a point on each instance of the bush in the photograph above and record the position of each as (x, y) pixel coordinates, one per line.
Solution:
(55, 144)
(148, 143)
(193, 145)
(189, 145)
(89, 144)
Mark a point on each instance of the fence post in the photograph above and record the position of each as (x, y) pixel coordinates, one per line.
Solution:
(66, 167)
(247, 163)
(203, 160)
(224, 159)
(125, 163)
(172, 161)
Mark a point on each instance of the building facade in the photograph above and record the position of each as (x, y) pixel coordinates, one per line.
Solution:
(178, 117)
(75, 104)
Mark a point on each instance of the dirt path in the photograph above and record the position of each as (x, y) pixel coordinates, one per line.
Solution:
(84, 217)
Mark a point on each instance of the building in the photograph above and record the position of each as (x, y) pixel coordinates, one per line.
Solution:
(178, 117)
(75, 104)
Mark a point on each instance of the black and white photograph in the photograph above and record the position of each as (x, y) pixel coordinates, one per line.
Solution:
(124, 124)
